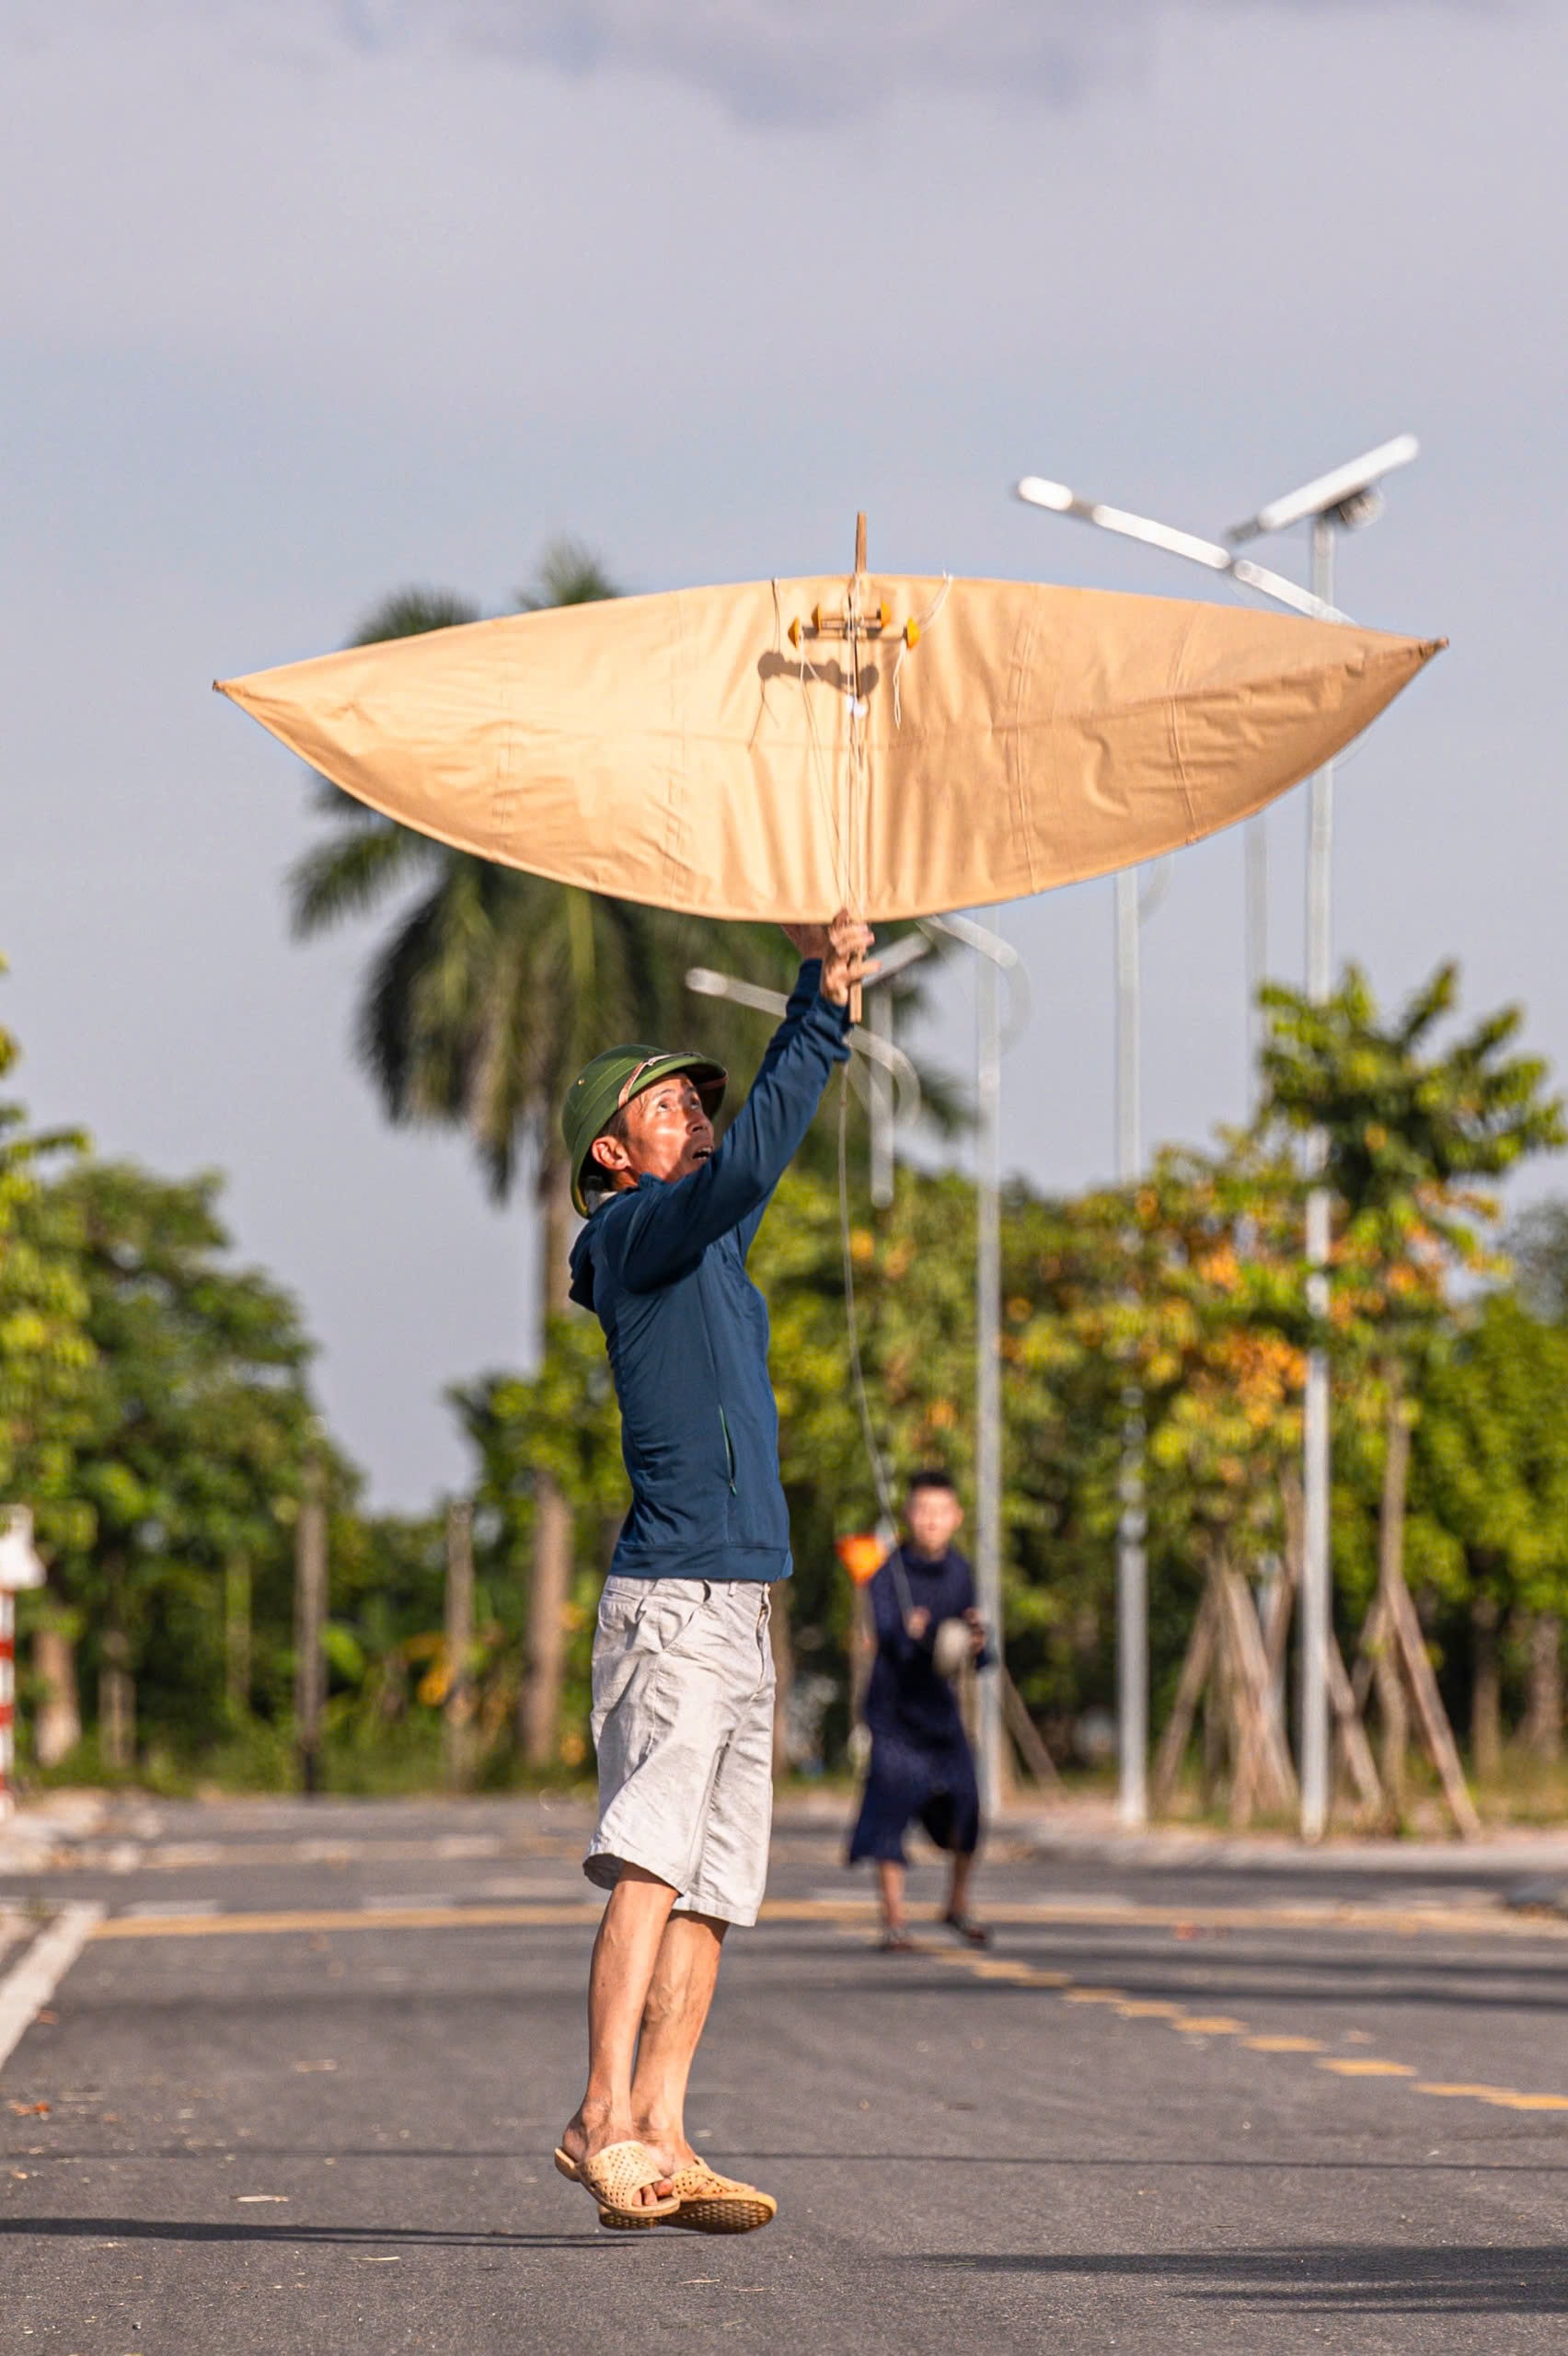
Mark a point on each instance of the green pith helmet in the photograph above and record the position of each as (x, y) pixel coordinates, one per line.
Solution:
(611, 1081)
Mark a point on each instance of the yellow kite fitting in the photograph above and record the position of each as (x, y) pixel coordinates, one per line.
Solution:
(793, 633)
(884, 613)
(911, 633)
(816, 619)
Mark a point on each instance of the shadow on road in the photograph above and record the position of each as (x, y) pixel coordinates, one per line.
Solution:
(1327, 2277)
(183, 2229)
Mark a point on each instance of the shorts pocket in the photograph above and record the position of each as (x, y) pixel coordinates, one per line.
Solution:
(664, 1617)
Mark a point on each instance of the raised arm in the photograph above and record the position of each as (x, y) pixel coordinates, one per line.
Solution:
(665, 1229)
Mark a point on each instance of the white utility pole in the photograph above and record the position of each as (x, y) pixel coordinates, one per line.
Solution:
(994, 956)
(1132, 1529)
(988, 1364)
(1317, 1567)
(1348, 497)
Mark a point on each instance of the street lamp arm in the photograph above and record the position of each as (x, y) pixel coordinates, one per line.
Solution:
(706, 983)
(1035, 491)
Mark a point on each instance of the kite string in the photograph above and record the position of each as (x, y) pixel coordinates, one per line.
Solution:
(851, 1317)
(937, 604)
(852, 1323)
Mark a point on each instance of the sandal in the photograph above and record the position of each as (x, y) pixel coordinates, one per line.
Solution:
(709, 2203)
(895, 1942)
(615, 2177)
(973, 1934)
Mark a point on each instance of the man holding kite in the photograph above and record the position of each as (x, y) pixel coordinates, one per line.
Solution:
(683, 1665)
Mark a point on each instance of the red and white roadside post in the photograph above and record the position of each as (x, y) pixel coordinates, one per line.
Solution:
(19, 1567)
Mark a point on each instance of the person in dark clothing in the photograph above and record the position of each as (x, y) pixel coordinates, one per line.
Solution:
(683, 1663)
(921, 1763)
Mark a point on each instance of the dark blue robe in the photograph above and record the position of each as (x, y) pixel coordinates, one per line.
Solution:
(921, 1763)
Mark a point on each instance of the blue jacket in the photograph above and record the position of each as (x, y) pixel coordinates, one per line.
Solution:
(664, 1268)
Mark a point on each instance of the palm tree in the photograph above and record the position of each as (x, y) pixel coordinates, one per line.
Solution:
(488, 995)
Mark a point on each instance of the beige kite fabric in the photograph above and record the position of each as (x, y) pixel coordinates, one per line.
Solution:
(681, 750)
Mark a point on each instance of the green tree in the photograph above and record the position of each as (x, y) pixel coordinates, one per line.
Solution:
(1412, 1125)
(46, 1354)
(46, 1368)
(197, 1423)
(1491, 1493)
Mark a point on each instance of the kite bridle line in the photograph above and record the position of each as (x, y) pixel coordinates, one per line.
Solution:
(850, 813)
(857, 1366)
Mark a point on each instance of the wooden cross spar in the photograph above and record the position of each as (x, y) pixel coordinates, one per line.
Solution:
(856, 626)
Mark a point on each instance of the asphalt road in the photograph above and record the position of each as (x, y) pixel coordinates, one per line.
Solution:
(303, 2077)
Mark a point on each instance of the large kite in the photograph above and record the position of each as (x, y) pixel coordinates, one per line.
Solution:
(785, 748)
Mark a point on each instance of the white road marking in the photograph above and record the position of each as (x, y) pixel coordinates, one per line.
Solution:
(160, 1906)
(29, 1984)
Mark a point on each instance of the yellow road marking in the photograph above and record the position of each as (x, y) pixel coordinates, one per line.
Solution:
(387, 1918)
(855, 1912)
(1078, 1914)
(1462, 2093)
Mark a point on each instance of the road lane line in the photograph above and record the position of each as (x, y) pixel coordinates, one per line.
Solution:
(323, 1919)
(1197, 2025)
(29, 1984)
(1462, 2092)
(862, 1912)
(1367, 2069)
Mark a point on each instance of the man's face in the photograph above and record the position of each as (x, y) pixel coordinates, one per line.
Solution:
(935, 1518)
(668, 1135)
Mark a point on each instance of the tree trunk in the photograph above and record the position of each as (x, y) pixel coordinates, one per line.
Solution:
(779, 1638)
(117, 1704)
(237, 1637)
(457, 1710)
(310, 1617)
(1486, 1691)
(549, 1586)
(57, 1728)
(117, 1687)
(1543, 1709)
(1390, 1577)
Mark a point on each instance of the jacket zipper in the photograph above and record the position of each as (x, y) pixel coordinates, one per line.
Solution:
(713, 1362)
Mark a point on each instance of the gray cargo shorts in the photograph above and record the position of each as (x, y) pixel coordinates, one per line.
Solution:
(683, 1725)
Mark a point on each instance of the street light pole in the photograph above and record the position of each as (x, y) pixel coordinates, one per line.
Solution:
(1317, 1576)
(1349, 496)
(1131, 1555)
(989, 1366)
(994, 955)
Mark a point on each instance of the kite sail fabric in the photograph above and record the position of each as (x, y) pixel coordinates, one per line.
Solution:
(786, 748)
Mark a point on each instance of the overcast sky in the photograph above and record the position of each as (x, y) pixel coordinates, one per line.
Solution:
(302, 301)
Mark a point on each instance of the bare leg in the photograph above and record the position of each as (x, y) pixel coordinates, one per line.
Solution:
(957, 1886)
(673, 2021)
(625, 1956)
(890, 1884)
